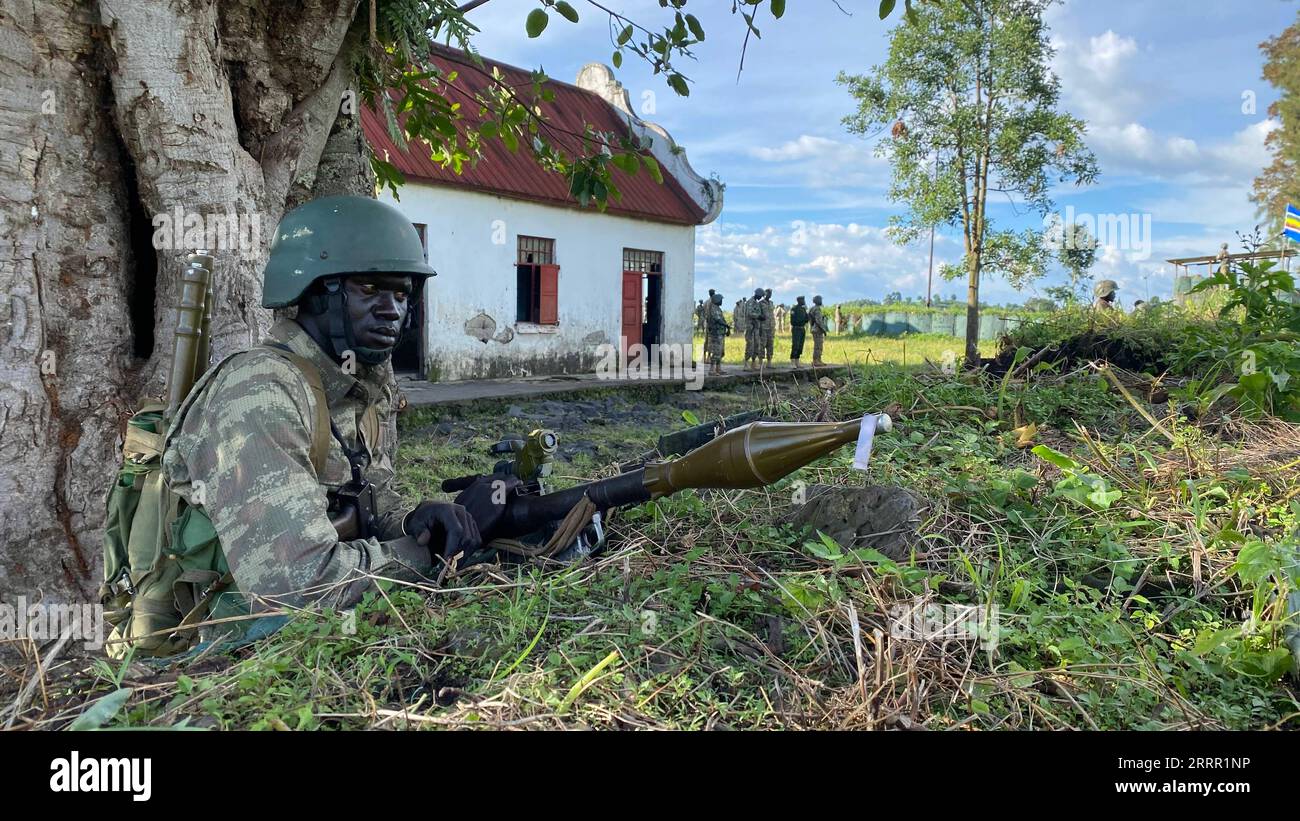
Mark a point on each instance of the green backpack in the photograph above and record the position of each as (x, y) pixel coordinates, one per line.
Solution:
(164, 570)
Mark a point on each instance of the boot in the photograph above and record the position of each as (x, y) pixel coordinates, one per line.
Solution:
(794, 363)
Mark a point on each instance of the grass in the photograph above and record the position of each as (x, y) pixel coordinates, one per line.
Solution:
(1136, 576)
(859, 349)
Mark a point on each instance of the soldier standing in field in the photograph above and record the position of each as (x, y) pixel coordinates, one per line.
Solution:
(798, 326)
(769, 325)
(754, 330)
(716, 339)
(839, 321)
(781, 313)
(740, 317)
(699, 314)
(818, 322)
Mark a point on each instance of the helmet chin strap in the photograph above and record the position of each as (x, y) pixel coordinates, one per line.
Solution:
(341, 337)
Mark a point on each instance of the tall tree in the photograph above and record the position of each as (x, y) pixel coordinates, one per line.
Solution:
(967, 107)
(1279, 183)
(115, 114)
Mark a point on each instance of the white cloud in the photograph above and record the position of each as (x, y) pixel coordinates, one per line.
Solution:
(819, 163)
(838, 260)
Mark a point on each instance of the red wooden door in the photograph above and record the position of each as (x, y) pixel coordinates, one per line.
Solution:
(631, 331)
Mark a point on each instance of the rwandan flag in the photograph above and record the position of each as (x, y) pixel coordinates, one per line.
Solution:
(1292, 228)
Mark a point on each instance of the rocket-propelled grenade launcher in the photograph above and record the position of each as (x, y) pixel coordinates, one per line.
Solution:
(754, 455)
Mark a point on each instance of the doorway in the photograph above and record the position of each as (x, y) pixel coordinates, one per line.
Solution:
(643, 298)
(408, 356)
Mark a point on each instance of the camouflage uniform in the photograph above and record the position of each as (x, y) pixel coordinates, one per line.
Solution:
(239, 450)
(715, 343)
(769, 329)
(753, 330)
(817, 324)
(740, 318)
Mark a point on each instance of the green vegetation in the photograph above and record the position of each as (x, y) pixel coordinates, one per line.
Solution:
(1129, 552)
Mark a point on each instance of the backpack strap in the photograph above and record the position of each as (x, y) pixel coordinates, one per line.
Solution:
(320, 429)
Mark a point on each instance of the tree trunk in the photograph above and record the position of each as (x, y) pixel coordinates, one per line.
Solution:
(113, 116)
(973, 313)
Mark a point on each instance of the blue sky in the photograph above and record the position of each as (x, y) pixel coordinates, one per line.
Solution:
(1160, 84)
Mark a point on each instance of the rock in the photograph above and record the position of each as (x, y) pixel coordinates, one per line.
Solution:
(878, 517)
(515, 412)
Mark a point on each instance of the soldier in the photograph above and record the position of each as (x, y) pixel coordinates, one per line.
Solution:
(1104, 292)
(698, 315)
(716, 340)
(319, 391)
(839, 321)
(740, 317)
(798, 323)
(781, 314)
(769, 325)
(818, 323)
(754, 330)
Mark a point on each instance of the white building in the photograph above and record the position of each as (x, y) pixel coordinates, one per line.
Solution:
(528, 281)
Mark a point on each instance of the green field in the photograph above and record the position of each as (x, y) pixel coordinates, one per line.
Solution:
(858, 349)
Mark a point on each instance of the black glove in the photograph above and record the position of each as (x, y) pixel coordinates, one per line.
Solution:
(445, 528)
(486, 500)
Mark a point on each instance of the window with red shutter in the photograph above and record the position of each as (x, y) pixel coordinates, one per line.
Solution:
(549, 295)
(537, 281)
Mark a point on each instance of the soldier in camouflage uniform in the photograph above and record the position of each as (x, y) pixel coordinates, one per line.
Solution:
(817, 324)
(740, 317)
(754, 330)
(769, 325)
(241, 449)
(1104, 292)
(716, 341)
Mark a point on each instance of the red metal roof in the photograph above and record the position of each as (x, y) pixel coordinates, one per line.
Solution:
(517, 175)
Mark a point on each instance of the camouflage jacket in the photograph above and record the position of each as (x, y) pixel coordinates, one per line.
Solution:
(717, 321)
(817, 320)
(769, 315)
(240, 450)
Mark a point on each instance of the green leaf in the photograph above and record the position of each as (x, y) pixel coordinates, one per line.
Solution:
(536, 22)
(618, 59)
(652, 166)
(696, 29)
(566, 11)
(690, 418)
(625, 35)
(678, 83)
(102, 711)
(886, 8)
(1055, 457)
(778, 9)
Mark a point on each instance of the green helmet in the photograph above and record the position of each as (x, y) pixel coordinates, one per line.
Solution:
(1105, 288)
(337, 236)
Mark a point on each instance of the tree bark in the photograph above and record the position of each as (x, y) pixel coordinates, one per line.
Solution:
(114, 114)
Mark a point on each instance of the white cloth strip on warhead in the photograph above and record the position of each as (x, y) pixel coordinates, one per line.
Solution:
(866, 434)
